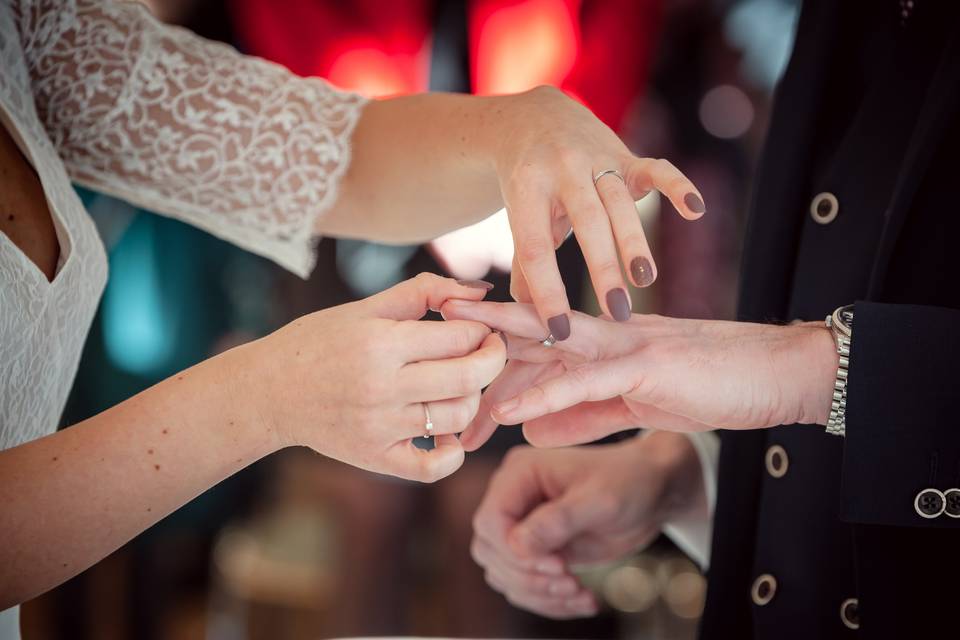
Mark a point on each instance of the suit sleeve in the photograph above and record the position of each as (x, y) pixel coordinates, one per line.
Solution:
(903, 425)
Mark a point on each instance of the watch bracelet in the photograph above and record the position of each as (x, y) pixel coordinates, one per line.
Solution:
(836, 422)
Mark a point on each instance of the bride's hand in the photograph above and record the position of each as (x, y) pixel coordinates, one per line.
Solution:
(548, 150)
(663, 373)
(351, 381)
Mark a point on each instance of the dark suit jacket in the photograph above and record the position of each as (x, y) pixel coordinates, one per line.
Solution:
(837, 524)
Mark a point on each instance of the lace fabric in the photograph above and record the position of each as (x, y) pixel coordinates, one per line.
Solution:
(155, 115)
(101, 94)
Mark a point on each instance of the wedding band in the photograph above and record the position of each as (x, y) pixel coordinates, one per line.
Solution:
(428, 424)
(549, 341)
(612, 172)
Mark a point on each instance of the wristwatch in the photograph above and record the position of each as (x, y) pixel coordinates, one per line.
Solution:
(840, 322)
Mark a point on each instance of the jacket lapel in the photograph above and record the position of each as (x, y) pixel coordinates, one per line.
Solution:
(940, 104)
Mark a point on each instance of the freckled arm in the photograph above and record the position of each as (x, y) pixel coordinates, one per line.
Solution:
(73, 497)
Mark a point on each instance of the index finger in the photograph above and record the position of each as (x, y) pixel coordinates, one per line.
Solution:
(530, 221)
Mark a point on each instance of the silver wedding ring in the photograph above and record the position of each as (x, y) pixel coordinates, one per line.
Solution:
(611, 172)
(428, 423)
(549, 341)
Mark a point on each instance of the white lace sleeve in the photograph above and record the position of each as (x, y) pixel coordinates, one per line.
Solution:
(160, 117)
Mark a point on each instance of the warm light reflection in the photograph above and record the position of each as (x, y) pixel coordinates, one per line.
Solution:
(519, 45)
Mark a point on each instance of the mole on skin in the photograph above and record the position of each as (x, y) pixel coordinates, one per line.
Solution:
(157, 467)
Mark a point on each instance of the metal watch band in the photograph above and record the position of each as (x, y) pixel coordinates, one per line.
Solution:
(840, 322)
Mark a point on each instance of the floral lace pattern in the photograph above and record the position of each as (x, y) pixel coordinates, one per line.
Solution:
(102, 94)
(155, 115)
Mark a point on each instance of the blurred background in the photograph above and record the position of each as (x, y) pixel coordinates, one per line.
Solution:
(298, 546)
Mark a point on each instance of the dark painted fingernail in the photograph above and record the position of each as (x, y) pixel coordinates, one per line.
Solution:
(476, 284)
(503, 337)
(642, 271)
(559, 327)
(694, 203)
(619, 304)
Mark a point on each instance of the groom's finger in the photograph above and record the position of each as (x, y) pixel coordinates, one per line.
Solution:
(582, 423)
(593, 381)
(591, 338)
(516, 377)
(454, 377)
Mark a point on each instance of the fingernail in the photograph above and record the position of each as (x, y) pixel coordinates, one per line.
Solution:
(503, 337)
(619, 304)
(507, 406)
(642, 271)
(476, 284)
(559, 327)
(694, 203)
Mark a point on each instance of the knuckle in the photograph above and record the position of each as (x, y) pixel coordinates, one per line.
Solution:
(606, 271)
(468, 380)
(460, 416)
(633, 242)
(426, 278)
(678, 183)
(462, 339)
(569, 158)
(534, 249)
(606, 505)
(592, 218)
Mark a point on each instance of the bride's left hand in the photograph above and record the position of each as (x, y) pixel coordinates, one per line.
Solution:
(548, 150)
(662, 373)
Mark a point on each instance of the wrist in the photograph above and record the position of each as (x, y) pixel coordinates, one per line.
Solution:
(248, 391)
(812, 362)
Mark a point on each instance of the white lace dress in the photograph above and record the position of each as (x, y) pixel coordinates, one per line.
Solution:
(101, 94)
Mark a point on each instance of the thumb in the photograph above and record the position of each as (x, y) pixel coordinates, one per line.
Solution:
(550, 526)
(411, 299)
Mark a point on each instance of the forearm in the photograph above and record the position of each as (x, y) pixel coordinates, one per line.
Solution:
(73, 497)
(421, 166)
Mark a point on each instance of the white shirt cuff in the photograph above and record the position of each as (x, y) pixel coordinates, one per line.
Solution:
(693, 535)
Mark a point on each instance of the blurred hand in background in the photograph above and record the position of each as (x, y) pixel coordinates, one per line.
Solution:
(548, 511)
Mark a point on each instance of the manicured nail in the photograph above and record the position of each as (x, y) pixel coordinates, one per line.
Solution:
(619, 304)
(507, 406)
(559, 327)
(642, 271)
(476, 284)
(503, 337)
(694, 203)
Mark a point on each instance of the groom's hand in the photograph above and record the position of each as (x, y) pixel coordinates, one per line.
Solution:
(546, 511)
(666, 373)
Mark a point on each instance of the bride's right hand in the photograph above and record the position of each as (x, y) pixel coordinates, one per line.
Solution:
(350, 381)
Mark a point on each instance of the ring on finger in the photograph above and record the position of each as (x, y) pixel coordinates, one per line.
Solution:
(549, 341)
(428, 423)
(606, 172)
